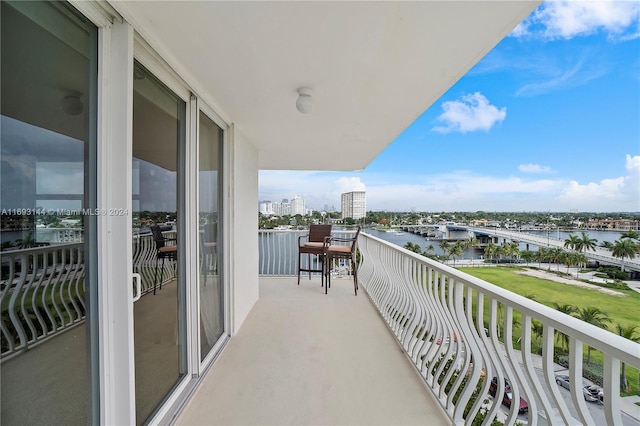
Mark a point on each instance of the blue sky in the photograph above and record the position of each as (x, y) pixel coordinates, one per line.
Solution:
(548, 120)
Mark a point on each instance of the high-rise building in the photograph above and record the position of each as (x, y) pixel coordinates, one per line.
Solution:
(354, 205)
(297, 206)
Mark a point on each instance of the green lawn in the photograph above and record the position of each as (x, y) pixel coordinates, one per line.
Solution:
(621, 309)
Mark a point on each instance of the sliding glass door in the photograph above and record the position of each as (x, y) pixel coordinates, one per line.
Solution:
(48, 196)
(211, 288)
(158, 139)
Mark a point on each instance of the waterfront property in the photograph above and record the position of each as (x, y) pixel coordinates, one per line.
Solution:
(129, 110)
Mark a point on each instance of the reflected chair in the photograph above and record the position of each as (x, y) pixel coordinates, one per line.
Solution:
(341, 248)
(209, 250)
(163, 251)
(312, 243)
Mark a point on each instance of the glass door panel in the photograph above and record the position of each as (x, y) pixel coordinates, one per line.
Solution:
(210, 283)
(48, 143)
(158, 137)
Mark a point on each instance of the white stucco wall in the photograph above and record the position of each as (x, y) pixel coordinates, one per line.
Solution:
(244, 227)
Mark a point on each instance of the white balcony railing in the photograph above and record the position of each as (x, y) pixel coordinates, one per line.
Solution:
(42, 289)
(278, 251)
(41, 294)
(144, 261)
(459, 332)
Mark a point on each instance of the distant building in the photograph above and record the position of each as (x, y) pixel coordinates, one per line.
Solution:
(297, 206)
(354, 205)
(286, 207)
(266, 208)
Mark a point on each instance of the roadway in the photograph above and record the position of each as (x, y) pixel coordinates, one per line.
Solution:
(600, 254)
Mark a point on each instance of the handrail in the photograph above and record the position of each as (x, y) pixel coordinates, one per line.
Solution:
(42, 289)
(458, 329)
(278, 251)
(41, 294)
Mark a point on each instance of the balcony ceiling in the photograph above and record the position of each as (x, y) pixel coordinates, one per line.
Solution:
(374, 67)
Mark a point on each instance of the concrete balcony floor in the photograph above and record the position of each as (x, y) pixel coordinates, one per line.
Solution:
(303, 357)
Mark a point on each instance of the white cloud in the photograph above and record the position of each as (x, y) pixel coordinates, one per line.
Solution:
(576, 76)
(534, 168)
(472, 112)
(349, 184)
(633, 164)
(569, 19)
(461, 190)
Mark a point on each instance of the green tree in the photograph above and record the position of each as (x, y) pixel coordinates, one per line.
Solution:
(445, 246)
(587, 243)
(624, 247)
(527, 256)
(607, 245)
(555, 256)
(490, 251)
(456, 250)
(633, 235)
(628, 332)
(572, 243)
(27, 241)
(568, 310)
(413, 247)
(594, 316)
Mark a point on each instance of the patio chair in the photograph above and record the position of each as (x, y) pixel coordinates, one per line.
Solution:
(341, 251)
(209, 249)
(163, 251)
(312, 243)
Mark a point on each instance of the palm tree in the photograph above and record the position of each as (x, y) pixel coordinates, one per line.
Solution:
(527, 256)
(628, 332)
(555, 254)
(490, 251)
(624, 247)
(511, 250)
(587, 243)
(572, 243)
(565, 309)
(607, 245)
(456, 250)
(471, 242)
(594, 316)
(27, 242)
(413, 247)
(445, 246)
(541, 255)
(633, 235)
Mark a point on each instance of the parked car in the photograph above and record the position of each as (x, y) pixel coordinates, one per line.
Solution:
(507, 397)
(590, 392)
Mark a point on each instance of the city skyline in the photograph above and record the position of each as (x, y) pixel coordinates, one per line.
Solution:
(547, 121)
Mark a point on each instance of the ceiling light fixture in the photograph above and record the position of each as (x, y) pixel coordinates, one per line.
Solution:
(72, 105)
(304, 104)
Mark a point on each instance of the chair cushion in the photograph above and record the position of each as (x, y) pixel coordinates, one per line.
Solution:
(314, 244)
(168, 249)
(339, 249)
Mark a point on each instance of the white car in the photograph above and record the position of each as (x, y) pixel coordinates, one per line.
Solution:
(590, 392)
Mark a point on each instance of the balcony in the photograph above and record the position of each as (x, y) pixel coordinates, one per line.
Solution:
(306, 358)
(416, 346)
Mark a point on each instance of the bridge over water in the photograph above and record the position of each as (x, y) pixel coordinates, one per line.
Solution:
(600, 254)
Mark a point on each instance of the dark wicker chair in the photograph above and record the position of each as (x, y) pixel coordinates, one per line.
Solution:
(312, 243)
(335, 248)
(163, 251)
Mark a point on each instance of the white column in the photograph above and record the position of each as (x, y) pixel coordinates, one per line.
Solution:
(115, 296)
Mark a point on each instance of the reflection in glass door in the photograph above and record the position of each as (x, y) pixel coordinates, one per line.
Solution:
(211, 288)
(158, 137)
(48, 143)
